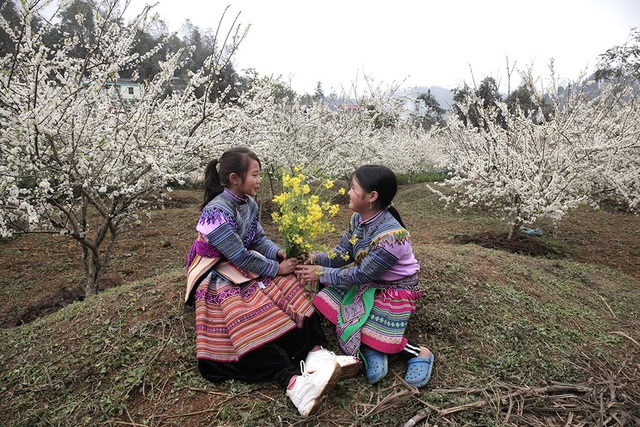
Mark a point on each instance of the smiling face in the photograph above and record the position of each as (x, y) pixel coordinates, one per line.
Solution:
(359, 200)
(250, 183)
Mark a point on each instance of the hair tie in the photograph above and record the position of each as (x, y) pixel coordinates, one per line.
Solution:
(390, 205)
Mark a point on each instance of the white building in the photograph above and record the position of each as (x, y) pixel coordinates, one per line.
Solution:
(128, 89)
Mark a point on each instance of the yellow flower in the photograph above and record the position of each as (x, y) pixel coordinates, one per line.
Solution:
(342, 191)
(300, 217)
(281, 198)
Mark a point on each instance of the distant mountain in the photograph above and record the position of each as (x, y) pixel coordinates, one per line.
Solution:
(442, 95)
(410, 94)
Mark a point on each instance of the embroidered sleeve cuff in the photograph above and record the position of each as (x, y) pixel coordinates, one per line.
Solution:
(322, 258)
(272, 252)
(273, 268)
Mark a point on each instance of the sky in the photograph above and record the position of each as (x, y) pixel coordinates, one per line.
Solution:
(409, 43)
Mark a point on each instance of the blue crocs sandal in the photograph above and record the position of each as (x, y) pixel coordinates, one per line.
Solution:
(419, 371)
(377, 365)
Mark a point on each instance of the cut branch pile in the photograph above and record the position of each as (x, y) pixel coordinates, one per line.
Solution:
(610, 399)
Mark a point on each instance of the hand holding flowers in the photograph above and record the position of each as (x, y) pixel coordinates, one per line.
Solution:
(287, 266)
(308, 273)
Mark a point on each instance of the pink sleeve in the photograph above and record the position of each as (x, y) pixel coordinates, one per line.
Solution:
(399, 250)
(407, 264)
(206, 227)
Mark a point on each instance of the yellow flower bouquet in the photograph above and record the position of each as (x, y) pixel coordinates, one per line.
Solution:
(302, 216)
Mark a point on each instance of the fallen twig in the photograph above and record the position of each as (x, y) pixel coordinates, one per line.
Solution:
(626, 336)
(555, 388)
(216, 407)
(605, 303)
(391, 400)
(204, 390)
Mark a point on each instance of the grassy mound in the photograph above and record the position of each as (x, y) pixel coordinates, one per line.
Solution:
(518, 341)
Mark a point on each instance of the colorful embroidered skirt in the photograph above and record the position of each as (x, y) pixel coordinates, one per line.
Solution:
(232, 320)
(386, 321)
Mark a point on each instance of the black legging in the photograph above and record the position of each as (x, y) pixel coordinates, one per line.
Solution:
(412, 350)
(279, 359)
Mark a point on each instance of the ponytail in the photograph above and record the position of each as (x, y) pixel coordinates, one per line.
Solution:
(393, 211)
(211, 184)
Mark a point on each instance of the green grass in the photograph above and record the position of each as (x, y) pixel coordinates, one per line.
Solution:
(128, 352)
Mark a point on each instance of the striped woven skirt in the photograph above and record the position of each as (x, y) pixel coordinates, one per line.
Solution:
(233, 320)
(384, 328)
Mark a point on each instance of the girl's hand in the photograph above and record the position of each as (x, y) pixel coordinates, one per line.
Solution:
(281, 255)
(308, 273)
(287, 266)
(311, 259)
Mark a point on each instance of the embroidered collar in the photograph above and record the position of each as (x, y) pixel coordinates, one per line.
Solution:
(228, 194)
(373, 218)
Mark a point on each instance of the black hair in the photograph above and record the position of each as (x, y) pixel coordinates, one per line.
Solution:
(382, 180)
(216, 175)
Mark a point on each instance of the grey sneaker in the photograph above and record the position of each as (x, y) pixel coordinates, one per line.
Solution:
(349, 365)
(310, 387)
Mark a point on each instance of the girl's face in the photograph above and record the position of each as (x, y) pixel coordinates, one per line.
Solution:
(251, 182)
(359, 199)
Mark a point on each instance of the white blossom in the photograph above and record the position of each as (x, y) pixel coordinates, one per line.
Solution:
(69, 148)
(534, 168)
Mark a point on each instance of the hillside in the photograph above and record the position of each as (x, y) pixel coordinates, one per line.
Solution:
(518, 340)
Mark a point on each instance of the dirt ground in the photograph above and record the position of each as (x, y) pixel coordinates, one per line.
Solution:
(40, 273)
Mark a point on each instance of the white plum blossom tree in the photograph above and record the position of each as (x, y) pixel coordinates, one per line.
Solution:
(532, 164)
(289, 133)
(614, 131)
(408, 149)
(78, 159)
(325, 141)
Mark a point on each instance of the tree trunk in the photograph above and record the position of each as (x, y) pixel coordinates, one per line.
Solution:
(271, 179)
(517, 222)
(513, 231)
(93, 270)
